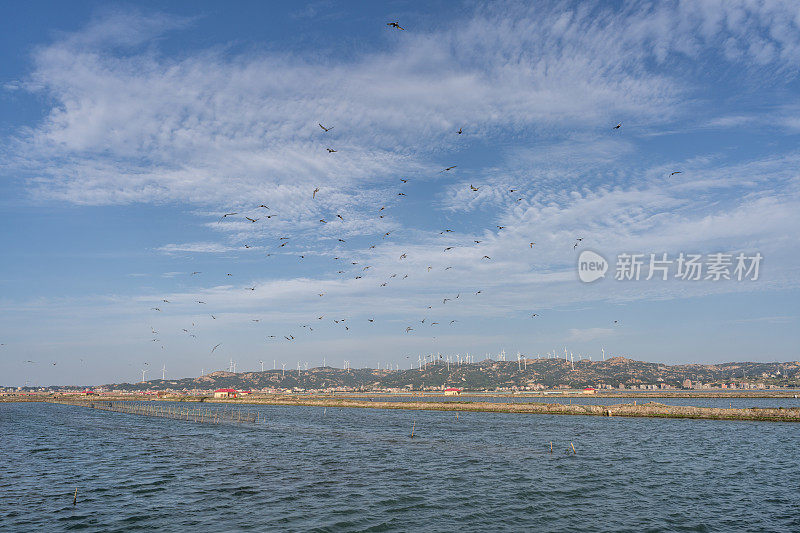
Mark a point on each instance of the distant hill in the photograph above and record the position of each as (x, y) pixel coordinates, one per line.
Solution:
(490, 375)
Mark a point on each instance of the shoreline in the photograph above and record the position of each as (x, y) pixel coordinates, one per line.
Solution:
(628, 410)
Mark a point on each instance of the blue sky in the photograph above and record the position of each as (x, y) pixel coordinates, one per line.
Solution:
(129, 129)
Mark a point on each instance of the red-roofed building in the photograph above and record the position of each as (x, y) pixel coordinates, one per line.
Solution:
(452, 391)
(87, 392)
(225, 393)
(590, 390)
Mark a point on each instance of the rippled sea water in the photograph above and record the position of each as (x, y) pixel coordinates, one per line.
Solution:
(315, 469)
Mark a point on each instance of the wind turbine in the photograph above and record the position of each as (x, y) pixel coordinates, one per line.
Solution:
(143, 371)
(262, 365)
(163, 372)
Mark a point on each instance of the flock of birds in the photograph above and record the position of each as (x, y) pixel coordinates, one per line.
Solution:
(264, 213)
(343, 322)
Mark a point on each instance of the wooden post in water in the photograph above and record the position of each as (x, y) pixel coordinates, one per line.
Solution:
(75, 498)
(573, 448)
(551, 447)
(413, 423)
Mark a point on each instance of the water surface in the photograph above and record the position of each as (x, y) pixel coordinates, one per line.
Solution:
(309, 468)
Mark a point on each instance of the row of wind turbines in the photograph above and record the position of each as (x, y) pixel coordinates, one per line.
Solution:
(422, 362)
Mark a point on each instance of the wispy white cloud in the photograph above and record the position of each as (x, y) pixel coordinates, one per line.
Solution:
(196, 247)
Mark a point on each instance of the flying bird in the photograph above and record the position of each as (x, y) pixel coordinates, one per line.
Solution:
(331, 150)
(532, 244)
(252, 219)
(486, 257)
(676, 172)
(459, 132)
(155, 309)
(449, 168)
(395, 25)
(409, 328)
(264, 206)
(618, 126)
(501, 227)
(473, 187)
(193, 273)
(340, 217)
(404, 181)
(225, 216)
(324, 128)
(215, 347)
(314, 194)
